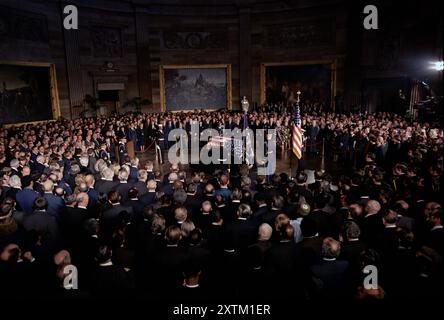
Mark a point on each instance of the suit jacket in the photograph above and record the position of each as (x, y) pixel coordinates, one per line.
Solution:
(141, 187)
(239, 234)
(230, 212)
(286, 260)
(105, 186)
(55, 204)
(171, 262)
(259, 213)
(25, 199)
(436, 240)
(44, 224)
(111, 279)
(110, 217)
(332, 276)
(148, 198)
(123, 189)
(136, 205)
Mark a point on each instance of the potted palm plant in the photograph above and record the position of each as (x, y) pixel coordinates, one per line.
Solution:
(92, 103)
(137, 103)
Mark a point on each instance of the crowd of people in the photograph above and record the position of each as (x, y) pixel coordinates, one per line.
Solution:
(71, 196)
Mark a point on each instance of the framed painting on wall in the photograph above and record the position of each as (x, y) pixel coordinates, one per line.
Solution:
(28, 92)
(315, 79)
(189, 87)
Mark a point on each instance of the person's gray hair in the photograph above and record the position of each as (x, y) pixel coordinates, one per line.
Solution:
(123, 175)
(373, 206)
(331, 249)
(151, 184)
(157, 224)
(142, 175)
(84, 161)
(245, 181)
(265, 231)
(70, 199)
(179, 197)
(352, 230)
(15, 182)
(244, 210)
(172, 177)
(186, 227)
(278, 202)
(107, 174)
(236, 194)
(100, 165)
(14, 163)
(134, 162)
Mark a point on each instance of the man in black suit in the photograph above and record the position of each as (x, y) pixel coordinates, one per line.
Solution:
(72, 218)
(352, 247)
(140, 184)
(134, 203)
(233, 205)
(108, 278)
(111, 217)
(240, 233)
(330, 275)
(106, 184)
(301, 188)
(285, 260)
(124, 186)
(277, 205)
(171, 260)
(436, 235)
(150, 196)
(371, 224)
(262, 208)
(42, 223)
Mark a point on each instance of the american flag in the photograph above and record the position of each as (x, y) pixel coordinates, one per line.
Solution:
(296, 132)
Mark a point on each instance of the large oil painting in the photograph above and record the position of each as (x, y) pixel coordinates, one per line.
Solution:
(25, 93)
(195, 87)
(283, 81)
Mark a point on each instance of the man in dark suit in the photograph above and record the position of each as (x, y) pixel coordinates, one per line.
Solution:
(15, 186)
(123, 186)
(352, 247)
(233, 205)
(42, 223)
(302, 189)
(240, 233)
(106, 184)
(111, 217)
(109, 278)
(285, 260)
(371, 224)
(55, 203)
(134, 203)
(262, 208)
(150, 196)
(171, 260)
(330, 275)
(72, 218)
(140, 184)
(25, 197)
(436, 235)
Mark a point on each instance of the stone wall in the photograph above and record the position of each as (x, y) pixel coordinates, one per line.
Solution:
(121, 44)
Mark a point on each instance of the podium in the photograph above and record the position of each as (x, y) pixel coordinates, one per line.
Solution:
(129, 151)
